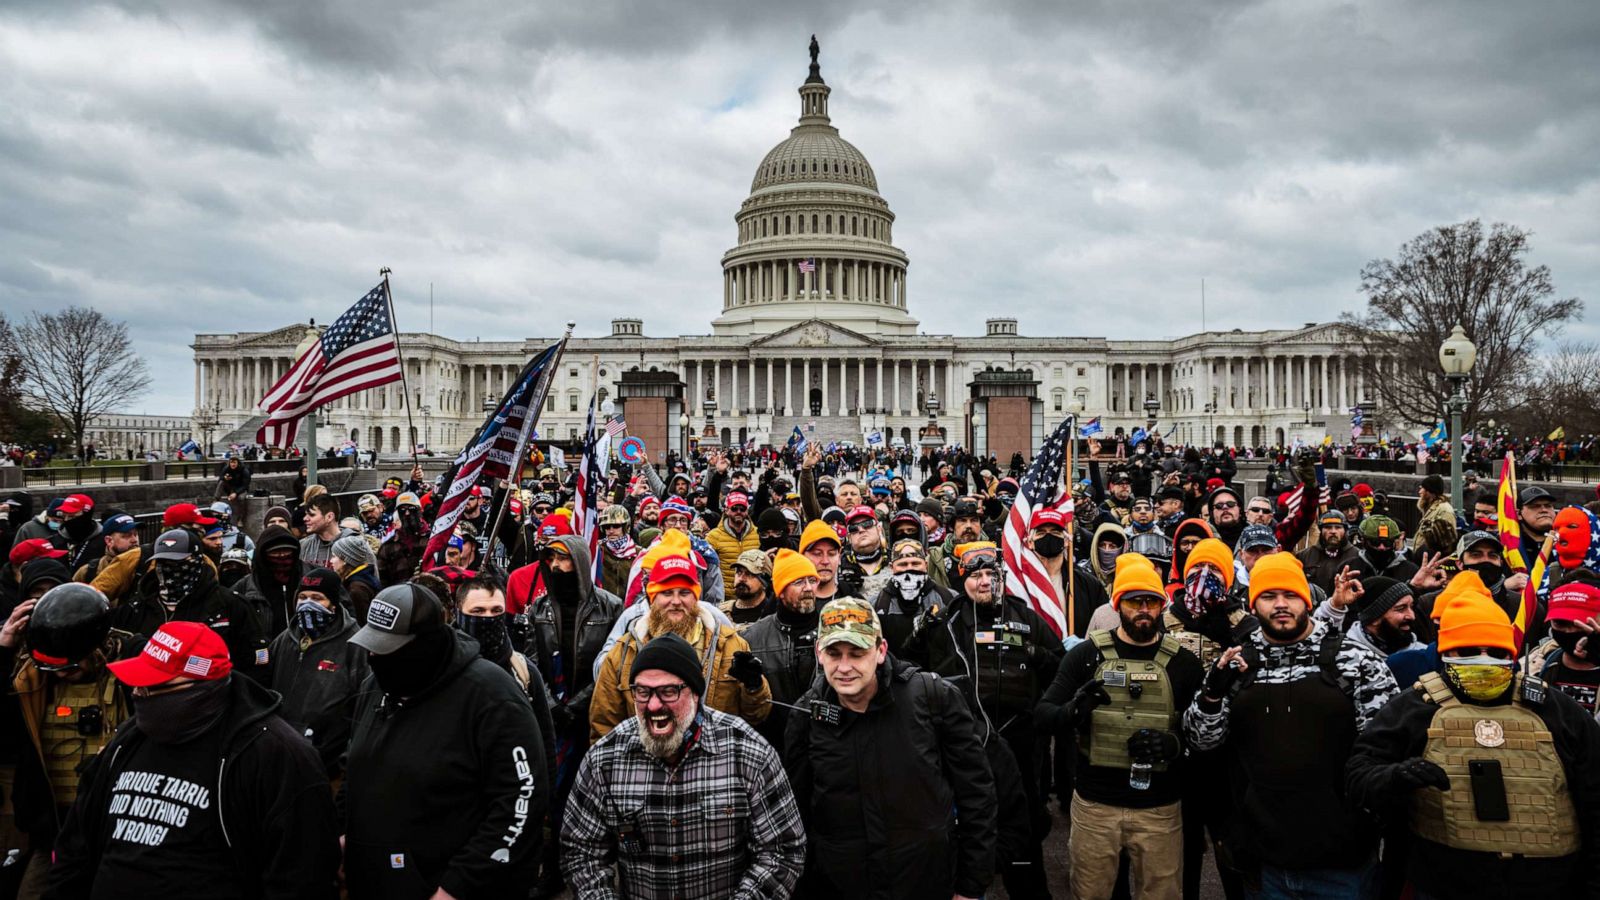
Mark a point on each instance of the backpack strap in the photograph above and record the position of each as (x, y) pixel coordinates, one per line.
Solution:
(1168, 649)
(1433, 688)
(519, 668)
(1328, 660)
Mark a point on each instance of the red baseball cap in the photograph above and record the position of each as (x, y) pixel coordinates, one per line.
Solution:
(180, 514)
(735, 498)
(1214, 483)
(515, 505)
(38, 548)
(476, 491)
(70, 506)
(670, 569)
(860, 512)
(1048, 517)
(177, 648)
(83, 499)
(1362, 490)
(555, 525)
(1574, 602)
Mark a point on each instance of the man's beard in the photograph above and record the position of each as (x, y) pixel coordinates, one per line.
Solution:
(668, 745)
(1392, 637)
(1334, 545)
(804, 604)
(968, 533)
(1141, 628)
(743, 590)
(1294, 630)
(660, 624)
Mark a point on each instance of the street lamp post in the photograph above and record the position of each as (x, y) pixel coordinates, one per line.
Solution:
(1151, 407)
(1456, 356)
(683, 427)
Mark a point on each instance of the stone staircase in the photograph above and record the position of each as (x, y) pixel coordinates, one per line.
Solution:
(829, 428)
(244, 434)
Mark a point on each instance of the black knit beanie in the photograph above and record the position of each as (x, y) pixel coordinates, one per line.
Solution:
(1378, 596)
(672, 654)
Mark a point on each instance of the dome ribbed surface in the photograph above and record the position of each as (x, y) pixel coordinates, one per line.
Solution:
(814, 154)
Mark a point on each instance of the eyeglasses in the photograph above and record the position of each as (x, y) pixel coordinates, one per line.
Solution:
(1229, 504)
(612, 527)
(669, 693)
(1261, 510)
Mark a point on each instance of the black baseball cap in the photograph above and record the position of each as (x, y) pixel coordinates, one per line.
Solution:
(1531, 494)
(177, 544)
(397, 615)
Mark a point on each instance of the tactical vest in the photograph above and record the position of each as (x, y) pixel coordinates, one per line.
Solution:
(1543, 821)
(1207, 650)
(67, 749)
(1141, 697)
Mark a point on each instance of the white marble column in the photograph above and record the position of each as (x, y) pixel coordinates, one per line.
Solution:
(827, 406)
(877, 400)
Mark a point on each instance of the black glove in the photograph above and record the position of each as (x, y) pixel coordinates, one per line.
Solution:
(747, 669)
(562, 716)
(1414, 774)
(1148, 745)
(1090, 694)
(1219, 681)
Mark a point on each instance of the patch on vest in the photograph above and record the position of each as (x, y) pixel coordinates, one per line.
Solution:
(1488, 733)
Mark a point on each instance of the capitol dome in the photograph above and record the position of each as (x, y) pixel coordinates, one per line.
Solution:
(815, 236)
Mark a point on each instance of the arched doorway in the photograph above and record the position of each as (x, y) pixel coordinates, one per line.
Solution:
(377, 439)
(905, 435)
(1238, 435)
(1221, 437)
(816, 401)
(1255, 435)
(1280, 437)
(394, 439)
(744, 435)
(727, 435)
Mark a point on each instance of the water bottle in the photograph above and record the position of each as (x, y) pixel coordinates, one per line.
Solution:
(1139, 776)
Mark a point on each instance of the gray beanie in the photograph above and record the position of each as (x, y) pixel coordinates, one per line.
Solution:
(354, 549)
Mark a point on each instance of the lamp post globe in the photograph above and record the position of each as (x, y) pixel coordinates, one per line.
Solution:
(1456, 357)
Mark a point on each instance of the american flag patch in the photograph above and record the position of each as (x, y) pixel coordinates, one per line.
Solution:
(198, 666)
(261, 656)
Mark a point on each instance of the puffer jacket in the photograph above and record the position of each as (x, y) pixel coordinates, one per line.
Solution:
(597, 611)
(898, 801)
(729, 545)
(319, 680)
(612, 701)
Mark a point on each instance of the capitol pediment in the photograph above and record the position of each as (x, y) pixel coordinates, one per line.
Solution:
(289, 334)
(814, 333)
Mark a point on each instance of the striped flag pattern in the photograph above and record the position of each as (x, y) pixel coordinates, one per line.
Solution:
(493, 447)
(591, 479)
(808, 266)
(615, 427)
(1041, 488)
(360, 350)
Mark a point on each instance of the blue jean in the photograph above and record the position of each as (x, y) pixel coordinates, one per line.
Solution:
(1360, 883)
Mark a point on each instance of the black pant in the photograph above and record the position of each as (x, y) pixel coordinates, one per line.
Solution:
(1027, 880)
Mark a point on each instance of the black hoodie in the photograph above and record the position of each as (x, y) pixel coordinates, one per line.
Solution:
(269, 792)
(272, 603)
(319, 680)
(460, 808)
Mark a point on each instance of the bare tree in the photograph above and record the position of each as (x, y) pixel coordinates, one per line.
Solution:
(1455, 274)
(11, 375)
(78, 366)
(1561, 390)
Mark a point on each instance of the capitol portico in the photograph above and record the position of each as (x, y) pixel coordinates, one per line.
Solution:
(815, 331)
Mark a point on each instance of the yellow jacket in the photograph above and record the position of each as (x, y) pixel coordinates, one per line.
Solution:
(729, 547)
(612, 701)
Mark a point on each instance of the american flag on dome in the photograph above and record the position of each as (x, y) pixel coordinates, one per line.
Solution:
(808, 266)
(1041, 488)
(358, 351)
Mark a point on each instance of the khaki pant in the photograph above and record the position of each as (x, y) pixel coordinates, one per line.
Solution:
(1152, 837)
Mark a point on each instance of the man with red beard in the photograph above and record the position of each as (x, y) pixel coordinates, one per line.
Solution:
(734, 681)
(710, 812)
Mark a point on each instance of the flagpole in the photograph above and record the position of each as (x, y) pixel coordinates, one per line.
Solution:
(1072, 477)
(528, 423)
(405, 385)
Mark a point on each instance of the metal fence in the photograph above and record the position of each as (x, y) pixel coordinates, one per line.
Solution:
(204, 470)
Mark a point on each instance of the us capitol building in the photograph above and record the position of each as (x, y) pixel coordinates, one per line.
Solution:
(816, 331)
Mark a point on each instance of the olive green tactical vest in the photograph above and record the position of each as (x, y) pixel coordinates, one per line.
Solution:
(66, 750)
(1204, 648)
(1543, 821)
(1141, 697)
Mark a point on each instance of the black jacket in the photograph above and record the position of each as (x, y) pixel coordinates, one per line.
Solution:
(786, 645)
(948, 649)
(211, 603)
(1400, 732)
(273, 800)
(597, 611)
(898, 616)
(319, 680)
(272, 603)
(899, 801)
(462, 804)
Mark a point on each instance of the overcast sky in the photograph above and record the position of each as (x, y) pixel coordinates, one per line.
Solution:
(223, 166)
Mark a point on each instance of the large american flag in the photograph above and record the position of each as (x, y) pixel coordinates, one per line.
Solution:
(493, 449)
(616, 426)
(1041, 488)
(357, 352)
(591, 481)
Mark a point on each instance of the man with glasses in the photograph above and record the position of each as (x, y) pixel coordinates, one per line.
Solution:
(1258, 512)
(785, 640)
(680, 799)
(206, 784)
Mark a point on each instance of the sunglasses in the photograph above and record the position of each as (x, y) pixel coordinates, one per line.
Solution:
(1225, 505)
(862, 526)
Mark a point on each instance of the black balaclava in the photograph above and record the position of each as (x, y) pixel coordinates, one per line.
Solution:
(177, 717)
(409, 671)
(492, 635)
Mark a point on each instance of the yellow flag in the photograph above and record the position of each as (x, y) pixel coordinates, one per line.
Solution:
(1559, 434)
(1327, 440)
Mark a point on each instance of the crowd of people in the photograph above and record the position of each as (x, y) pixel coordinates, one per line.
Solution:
(805, 673)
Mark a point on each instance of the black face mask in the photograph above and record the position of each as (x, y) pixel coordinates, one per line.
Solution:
(1049, 546)
(1491, 573)
(564, 585)
(780, 542)
(1380, 559)
(78, 528)
(177, 717)
(494, 640)
(411, 669)
(1568, 642)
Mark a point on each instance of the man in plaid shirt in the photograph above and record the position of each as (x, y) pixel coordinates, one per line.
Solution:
(680, 800)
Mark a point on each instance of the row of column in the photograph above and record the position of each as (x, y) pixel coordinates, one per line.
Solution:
(1326, 384)
(769, 281)
(233, 384)
(783, 387)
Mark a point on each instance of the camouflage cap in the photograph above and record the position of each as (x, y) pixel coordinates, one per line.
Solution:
(755, 562)
(849, 620)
